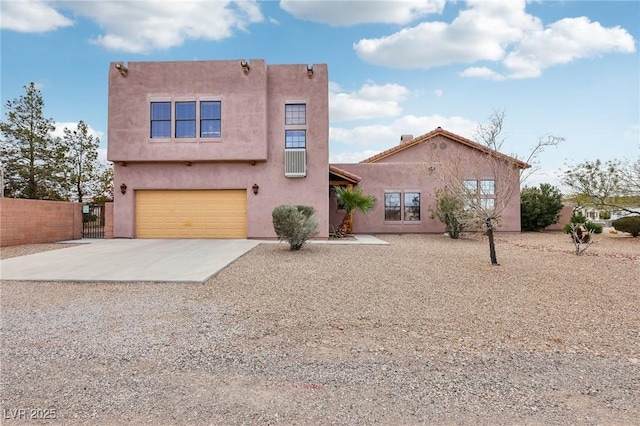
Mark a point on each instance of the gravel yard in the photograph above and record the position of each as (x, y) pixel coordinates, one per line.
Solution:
(424, 330)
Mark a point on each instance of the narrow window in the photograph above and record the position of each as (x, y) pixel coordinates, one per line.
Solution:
(392, 206)
(411, 206)
(295, 139)
(295, 114)
(185, 119)
(210, 119)
(160, 119)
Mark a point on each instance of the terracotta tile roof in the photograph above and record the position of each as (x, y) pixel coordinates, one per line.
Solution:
(344, 174)
(441, 132)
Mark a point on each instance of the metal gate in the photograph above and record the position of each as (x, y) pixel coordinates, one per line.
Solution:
(93, 221)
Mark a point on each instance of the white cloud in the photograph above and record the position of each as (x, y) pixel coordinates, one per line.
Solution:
(377, 138)
(142, 26)
(438, 93)
(370, 101)
(346, 13)
(59, 130)
(31, 17)
(562, 42)
(500, 32)
(482, 72)
(351, 157)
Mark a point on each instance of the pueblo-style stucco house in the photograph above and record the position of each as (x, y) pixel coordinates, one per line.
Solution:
(207, 149)
(405, 178)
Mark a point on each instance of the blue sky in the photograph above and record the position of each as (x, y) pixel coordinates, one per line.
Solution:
(569, 68)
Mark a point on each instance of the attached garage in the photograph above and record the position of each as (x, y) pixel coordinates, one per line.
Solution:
(191, 214)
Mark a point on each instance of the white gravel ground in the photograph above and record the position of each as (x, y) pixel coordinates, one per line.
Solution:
(423, 331)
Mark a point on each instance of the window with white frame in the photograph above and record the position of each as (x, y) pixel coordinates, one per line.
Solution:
(481, 192)
(295, 114)
(402, 206)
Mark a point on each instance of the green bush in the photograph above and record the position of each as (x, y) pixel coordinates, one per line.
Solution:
(596, 227)
(539, 207)
(294, 224)
(630, 224)
(450, 211)
(605, 215)
(88, 217)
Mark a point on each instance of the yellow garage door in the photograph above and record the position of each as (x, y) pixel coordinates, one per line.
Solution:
(191, 214)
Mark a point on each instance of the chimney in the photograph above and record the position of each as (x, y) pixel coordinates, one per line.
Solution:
(405, 138)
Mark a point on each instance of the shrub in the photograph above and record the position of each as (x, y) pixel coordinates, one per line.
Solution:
(294, 224)
(450, 211)
(578, 219)
(539, 207)
(630, 224)
(88, 217)
(605, 215)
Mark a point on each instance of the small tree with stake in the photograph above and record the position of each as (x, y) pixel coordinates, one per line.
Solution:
(486, 200)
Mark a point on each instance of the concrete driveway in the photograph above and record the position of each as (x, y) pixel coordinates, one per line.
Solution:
(128, 260)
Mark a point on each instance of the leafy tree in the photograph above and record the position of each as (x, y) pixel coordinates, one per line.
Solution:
(352, 200)
(539, 207)
(32, 158)
(294, 224)
(81, 152)
(450, 210)
(104, 186)
(612, 184)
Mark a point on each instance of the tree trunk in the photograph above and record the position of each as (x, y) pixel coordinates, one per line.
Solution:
(343, 229)
(492, 244)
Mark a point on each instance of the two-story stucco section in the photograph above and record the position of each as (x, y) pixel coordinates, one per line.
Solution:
(201, 146)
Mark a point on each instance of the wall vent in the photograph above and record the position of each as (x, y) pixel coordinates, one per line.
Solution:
(295, 162)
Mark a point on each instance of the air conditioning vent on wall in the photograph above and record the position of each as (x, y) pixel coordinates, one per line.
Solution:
(295, 162)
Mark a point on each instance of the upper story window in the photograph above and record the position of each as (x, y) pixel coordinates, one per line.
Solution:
(295, 114)
(160, 119)
(295, 139)
(185, 119)
(210, 119)
(190, 119)
(295, 125)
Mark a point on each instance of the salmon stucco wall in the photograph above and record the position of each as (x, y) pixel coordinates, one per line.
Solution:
(38, 221)
(420, 169)
(251, 149)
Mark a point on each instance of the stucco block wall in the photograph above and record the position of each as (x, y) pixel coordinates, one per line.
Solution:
(251, 149)
(38, 221)
(420, 169)
(565, 217)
